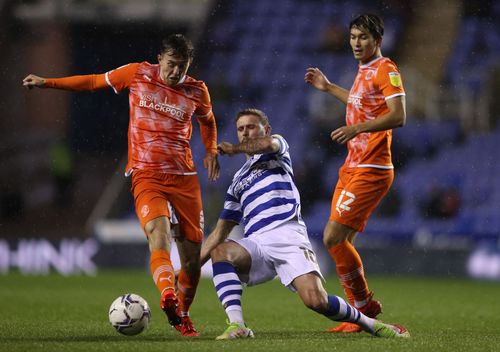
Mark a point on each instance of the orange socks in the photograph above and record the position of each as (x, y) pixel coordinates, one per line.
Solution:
(186, 290)
(162, 270)
(350, 272)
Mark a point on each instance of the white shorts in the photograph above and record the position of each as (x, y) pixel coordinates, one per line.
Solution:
(284, 251)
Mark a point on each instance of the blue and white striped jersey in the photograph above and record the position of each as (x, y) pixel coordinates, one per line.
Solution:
(263, 194)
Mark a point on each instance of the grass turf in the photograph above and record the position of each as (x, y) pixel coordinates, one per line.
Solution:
(55, 313)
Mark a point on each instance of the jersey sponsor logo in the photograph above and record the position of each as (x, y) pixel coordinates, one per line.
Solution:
(243, 184)
(355, 100)
(170, 109)
(146, 96)
(395, 79)
(345, 200)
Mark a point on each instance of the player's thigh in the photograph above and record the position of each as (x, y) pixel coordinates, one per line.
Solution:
(150, 199)
(289, 250)
(353, 203)
(185, 197)
(260, 269)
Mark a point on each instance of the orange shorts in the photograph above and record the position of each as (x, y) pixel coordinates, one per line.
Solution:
(177, 197)
(357, 194)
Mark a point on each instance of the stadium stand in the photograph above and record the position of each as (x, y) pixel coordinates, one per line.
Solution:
(431, 155)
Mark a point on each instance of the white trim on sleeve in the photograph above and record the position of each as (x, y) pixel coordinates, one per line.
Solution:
(375, 166)
(394, 96)
(109, 82)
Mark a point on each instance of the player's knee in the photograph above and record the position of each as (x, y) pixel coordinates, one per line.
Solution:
(332, 240)
(157, 238)
(333, 235)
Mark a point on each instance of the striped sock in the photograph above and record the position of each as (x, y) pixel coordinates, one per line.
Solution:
(229, 289)
(340, 310)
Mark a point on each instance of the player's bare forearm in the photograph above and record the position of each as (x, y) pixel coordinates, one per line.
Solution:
(396, 117)
(218, 235)
(318, 80)
(338, 92)
(260, 145)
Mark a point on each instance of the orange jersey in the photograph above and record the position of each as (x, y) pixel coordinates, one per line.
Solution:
(376, 82)
(160, 117)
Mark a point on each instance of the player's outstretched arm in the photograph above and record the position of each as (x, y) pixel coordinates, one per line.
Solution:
(261, 145)
(74, 83)
(32, 80)
(218, 235)
(318, 80)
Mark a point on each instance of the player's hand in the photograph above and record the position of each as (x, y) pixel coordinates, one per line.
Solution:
(225, 148)
(33, 81)
(316, 78)
(344, 134)
(211, 163)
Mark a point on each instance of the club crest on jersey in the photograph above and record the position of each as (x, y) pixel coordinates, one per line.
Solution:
(395, 79)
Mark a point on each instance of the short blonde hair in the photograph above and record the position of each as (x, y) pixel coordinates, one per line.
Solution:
(263, 119)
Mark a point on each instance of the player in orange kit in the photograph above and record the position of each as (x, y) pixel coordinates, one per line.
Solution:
(162, 100)
(375, 105)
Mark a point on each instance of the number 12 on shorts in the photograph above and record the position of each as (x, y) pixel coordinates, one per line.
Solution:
(345, 199)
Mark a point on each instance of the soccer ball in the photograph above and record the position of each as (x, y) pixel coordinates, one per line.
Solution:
(129, 314)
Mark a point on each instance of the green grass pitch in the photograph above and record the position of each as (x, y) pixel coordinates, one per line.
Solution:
(54, 313)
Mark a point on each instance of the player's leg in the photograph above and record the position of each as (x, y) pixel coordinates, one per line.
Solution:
(153, 214)
(159, 238)
(185, 198)
(338, 239)
(188, 279)
(356, 196)
(231, 262)
(314, 296)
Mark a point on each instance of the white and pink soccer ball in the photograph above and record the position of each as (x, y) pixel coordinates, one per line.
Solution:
(129, 314)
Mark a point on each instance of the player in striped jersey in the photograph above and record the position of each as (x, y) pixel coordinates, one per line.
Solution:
(375, 105)
(263, 197)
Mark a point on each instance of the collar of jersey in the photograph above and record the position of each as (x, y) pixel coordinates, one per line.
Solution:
(371, 62)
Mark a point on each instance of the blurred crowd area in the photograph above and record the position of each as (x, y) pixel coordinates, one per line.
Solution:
(62, 153)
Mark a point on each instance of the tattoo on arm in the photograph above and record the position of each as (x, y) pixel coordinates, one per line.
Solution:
(256, 146)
